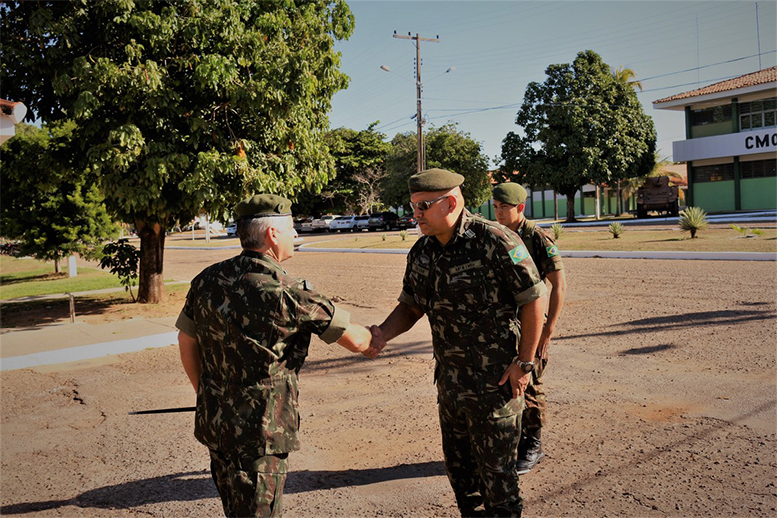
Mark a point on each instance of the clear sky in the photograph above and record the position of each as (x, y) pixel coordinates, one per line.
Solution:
(499, 47)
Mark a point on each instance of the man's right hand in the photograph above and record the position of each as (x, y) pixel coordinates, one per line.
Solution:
(377, 343)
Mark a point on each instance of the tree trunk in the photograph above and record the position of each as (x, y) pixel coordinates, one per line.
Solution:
(151, 285)
(570, 205)
(555, 206)
(56, 265)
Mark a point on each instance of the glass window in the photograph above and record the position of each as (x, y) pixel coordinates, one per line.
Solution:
(758, 114)
(758, 169)
(713, 173)
(711, 115)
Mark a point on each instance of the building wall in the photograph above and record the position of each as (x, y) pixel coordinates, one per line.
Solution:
(759, 193)
(715, 196)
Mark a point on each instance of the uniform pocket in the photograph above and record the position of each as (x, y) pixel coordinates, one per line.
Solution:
(268, 413)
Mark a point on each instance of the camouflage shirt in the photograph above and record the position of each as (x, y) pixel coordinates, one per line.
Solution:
(471, 290)
(542, 248)
(253, 325)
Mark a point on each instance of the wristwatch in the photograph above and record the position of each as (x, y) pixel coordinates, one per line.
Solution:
(526, 367)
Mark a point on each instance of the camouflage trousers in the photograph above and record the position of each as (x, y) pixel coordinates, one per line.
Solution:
(480, 444)
(535, 404)
(252, 488)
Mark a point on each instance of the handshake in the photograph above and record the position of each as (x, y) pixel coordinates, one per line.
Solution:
(366, 340)
(376, 343)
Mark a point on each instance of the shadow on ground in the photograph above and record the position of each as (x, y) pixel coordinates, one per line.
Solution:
(197, 485)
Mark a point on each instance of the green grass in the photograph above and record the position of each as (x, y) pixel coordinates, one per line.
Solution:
(29, 277)
(632, 239)
(363, 240)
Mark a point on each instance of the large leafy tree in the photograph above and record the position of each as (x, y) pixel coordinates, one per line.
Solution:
(182, 106)
(358, 157)
(581, 125)
(446, 148)
(52, 209)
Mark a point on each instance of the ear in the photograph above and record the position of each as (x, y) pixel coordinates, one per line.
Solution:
(521, 206)
(271, 236)
(453, 202)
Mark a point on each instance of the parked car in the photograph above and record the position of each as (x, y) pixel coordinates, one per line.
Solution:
(344, 223)
(298, 223)
(322, 224)
(406, 221)
(232, 229)
(383, 220)
(307, 226)
(361, 222)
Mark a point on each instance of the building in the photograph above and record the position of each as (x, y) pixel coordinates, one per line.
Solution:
(730, 143)
(11, 114)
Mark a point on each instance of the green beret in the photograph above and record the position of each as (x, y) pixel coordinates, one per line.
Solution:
(434, 180)
(510, 193)
(262, 206)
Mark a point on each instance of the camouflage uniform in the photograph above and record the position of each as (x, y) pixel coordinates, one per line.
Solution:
(471, 290)
(546, 257)
(253, 325)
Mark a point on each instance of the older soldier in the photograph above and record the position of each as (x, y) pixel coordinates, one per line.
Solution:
(470, 277)
(509, 203)
(244, 334)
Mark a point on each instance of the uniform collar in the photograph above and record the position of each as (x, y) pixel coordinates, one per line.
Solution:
(265, 259)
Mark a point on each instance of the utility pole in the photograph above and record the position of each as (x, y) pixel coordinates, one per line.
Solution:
(419, 118)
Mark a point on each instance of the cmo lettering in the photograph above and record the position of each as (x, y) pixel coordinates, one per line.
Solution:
(761, 141)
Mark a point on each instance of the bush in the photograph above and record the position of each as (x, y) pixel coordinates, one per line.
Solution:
(616, 229)
(403, 235)
(692, 220)
(123, 259)
(557, 229)
(746, 231)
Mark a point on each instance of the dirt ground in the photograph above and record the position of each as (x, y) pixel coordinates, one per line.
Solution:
(661, 392)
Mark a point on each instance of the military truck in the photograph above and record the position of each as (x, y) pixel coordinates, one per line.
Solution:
(656, 194)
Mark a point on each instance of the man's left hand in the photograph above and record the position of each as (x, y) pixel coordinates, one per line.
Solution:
(519, 380)
(544, 345)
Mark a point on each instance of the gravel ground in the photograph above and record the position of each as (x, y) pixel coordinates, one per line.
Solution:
(661, 390)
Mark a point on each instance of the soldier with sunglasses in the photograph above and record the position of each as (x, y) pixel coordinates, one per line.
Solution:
(478, 286)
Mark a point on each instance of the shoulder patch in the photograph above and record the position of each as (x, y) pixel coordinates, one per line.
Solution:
(552, 250)
(307, 285)
(518, 254)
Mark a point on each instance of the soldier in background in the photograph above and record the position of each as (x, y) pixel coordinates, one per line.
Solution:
(244, 333)
(470, 277)
(509, 204)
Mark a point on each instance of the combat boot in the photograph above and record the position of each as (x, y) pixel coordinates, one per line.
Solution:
(529, 451)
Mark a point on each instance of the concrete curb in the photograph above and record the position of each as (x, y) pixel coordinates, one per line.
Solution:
(87, 352)
(694, 256)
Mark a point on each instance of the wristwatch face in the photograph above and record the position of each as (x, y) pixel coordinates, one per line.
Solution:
(527, 367)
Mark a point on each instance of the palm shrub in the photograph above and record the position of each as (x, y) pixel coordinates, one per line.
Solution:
(557, 229)
(746, 231)
(616, 229)
(692, 220)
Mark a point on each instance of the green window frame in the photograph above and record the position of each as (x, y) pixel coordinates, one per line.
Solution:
(758, 169)
(755, 115)
(712, 173)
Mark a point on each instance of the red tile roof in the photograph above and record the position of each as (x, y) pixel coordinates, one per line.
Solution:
(767, 75)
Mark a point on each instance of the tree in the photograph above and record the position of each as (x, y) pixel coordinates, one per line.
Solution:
(52, 209)
(182, 106)
(446, 148)
(626, 76)
(580, 126)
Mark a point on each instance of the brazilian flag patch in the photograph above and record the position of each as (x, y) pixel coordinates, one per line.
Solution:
(552, 250)
(518, 254)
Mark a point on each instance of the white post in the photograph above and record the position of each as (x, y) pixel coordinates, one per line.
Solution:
(72, 269)
(597, 204)
(207, 228)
